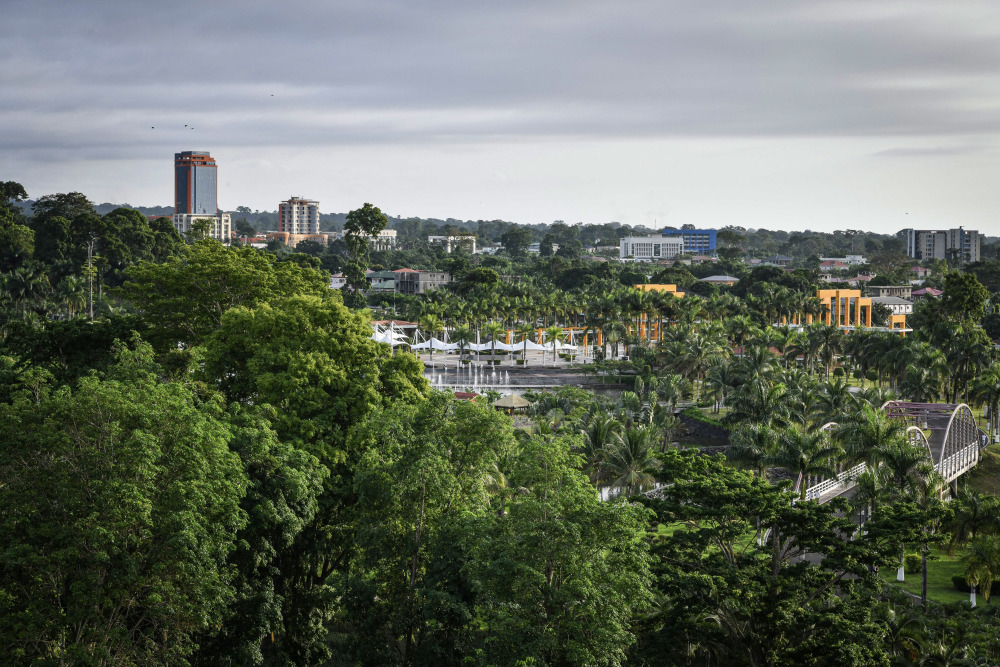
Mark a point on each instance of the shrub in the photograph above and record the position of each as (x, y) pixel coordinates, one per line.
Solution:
(519, 362)
(857, 374)
(838, 372)
(698, 415)
(961, 585)
(871, 376)
(912, 564)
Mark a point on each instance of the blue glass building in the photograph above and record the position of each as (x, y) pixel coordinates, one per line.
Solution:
(196, 184)
(696, 241)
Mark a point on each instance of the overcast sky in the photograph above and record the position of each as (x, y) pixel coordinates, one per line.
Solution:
(817, 115)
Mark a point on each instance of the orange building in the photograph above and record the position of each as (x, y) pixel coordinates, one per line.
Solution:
(846, 308)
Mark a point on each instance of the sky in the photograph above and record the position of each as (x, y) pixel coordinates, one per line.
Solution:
(822, 115)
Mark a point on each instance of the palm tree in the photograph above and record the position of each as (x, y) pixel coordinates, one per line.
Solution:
(750, 446)
(629, 462)
(982, 565)
(431, 324)
(525, 331)
(598, 435)
(462, 335)
(71, 291)
(868, 432)
(759, 403)
(973, 513)
(722, 378)
(494, 330)
(836, 400)
(905, 466)
(986, 389)
(554, 335)
(804, 454)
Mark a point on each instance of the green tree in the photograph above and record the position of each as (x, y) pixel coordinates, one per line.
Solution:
(561, 575)
(516, 241)
(982, 565)
(17, 239)
(120, 509)
(313, 361)
(964, 297)
(183, 299)
(724, 599)
(362, 225)
(423, 486)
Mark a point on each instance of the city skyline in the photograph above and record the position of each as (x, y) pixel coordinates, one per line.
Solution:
(784, 116)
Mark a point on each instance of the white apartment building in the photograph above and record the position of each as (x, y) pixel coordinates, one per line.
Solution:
(962, 244)
(220, 226)
(467, 241)
(650, 248)
(298, 216)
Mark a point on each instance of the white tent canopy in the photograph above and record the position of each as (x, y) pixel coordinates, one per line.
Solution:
(483, 347)
(434, 344)
(388, 336)
(532, 346)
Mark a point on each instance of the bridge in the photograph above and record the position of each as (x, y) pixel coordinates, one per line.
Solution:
(947, 431)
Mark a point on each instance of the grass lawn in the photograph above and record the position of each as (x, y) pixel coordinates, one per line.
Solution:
(668, 529)
(939, 574)
(985, 476)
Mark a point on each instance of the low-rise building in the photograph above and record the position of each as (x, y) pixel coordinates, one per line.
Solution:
(901, 291)
(925, 293)
(381, 281)
(897, 305)
(337, 281)
(778, 260)
(649, 248)
(833, 265)
(466, 241)
(850, 260)
(410, 281)
(293, 240)
(218, 227)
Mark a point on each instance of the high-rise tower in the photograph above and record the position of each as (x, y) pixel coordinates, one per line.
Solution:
(196, 201)
(298, 216)
(196, 183)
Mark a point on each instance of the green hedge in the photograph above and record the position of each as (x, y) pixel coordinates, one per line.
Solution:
(961, 585)
(912, 564)
(698, 415)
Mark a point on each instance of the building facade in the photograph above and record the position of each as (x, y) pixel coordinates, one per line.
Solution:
(466, 241)
(898, 291)
(409, 281)
(293, 240)
(649, 248)
(298, 216)
(196, 183)
(959, 243)
(895, 304)
(696, 241)
(220, 226)
(196, 195)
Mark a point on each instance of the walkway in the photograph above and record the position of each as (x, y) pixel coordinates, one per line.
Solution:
(948, 431)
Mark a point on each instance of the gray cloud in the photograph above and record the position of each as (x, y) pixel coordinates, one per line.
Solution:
(97, 73)
(722, 111)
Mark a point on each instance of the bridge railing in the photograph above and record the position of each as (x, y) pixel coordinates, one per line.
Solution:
(844, 480)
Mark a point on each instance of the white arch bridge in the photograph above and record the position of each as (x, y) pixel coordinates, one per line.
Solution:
(948, 431)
